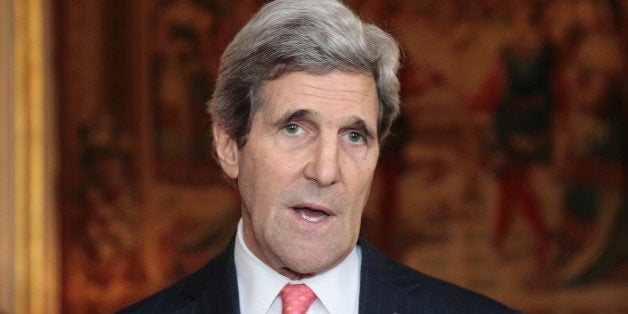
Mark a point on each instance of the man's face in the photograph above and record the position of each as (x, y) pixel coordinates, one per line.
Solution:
(305, 173)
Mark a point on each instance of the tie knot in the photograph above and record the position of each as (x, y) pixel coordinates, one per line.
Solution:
(296, 299)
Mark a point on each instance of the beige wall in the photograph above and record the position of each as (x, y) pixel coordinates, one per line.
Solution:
(6, 171)
(28, 244)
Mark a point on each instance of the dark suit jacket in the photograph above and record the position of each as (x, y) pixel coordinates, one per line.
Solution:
(386, 287)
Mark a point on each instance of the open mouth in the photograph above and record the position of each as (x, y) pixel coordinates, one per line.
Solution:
(310, 214)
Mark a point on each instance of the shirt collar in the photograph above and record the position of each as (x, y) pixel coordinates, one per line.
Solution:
(259, 285)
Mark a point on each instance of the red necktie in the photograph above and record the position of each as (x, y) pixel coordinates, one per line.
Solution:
(296, 299)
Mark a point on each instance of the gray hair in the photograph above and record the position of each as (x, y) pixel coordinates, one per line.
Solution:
(302, 35)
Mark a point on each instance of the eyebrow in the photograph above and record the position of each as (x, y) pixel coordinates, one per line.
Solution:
(293, 115)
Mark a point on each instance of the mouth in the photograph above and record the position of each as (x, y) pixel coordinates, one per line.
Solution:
(312, 214)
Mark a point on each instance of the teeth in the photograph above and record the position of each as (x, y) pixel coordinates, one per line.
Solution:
(311, 219)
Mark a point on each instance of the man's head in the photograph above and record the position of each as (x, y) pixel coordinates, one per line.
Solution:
(304, 96)
(302, 35)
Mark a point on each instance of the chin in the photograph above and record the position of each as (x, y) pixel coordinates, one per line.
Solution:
(311, 268)
(315, 260)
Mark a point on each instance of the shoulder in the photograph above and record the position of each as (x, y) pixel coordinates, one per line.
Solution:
(420, 292)
(216, 277)
(167, 300)
(441, 294)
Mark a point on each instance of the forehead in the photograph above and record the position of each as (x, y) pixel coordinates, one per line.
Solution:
(335, 93)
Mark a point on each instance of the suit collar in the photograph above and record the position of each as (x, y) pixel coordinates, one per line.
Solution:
(384, 284)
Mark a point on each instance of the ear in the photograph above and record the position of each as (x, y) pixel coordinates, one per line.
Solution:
(227, 151)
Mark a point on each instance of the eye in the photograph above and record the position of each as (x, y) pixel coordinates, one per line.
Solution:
(293, 129)
(355, 137)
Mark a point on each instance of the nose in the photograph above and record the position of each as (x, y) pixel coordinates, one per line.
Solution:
(323, 166)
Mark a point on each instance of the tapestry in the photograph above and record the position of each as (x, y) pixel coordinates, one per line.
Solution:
(505, 174)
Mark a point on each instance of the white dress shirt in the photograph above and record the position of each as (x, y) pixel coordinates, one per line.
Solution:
(337, 290)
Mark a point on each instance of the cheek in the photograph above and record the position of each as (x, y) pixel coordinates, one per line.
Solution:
(359, 188)
(265, 176)
(361, 176)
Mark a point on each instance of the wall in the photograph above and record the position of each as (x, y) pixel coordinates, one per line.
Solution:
(28, 238)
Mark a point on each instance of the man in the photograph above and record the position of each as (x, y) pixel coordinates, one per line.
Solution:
(305, 95)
